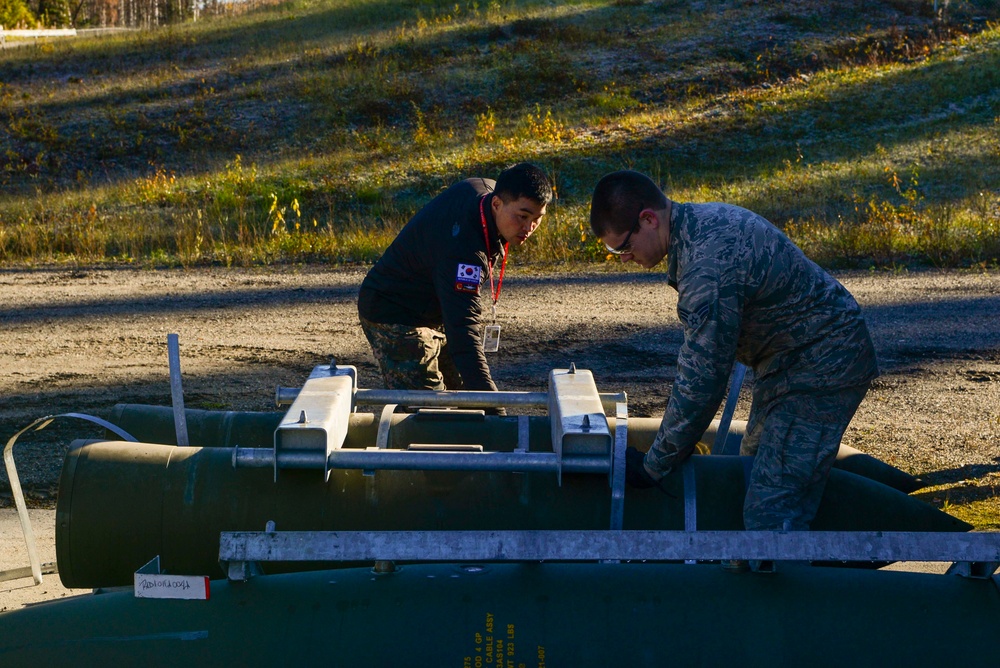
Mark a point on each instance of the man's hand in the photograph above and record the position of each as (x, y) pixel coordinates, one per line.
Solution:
(495, 410)
(635, 473)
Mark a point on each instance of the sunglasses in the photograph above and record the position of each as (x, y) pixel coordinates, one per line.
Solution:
(625, 247)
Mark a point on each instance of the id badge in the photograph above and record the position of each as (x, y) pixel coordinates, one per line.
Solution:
(491, 339)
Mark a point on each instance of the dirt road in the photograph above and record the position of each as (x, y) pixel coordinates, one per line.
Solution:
(83, 341)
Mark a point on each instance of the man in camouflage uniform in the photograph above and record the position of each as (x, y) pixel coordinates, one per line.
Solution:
(746, 293)
(424, 304)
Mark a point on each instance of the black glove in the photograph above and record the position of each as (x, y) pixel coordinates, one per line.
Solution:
(635, 473)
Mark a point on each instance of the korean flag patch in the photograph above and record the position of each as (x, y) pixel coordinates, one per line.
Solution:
(468, 278)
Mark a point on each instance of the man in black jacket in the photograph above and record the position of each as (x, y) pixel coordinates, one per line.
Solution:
(424, 305)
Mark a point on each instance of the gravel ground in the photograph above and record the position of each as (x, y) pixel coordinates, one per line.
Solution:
(83, 341)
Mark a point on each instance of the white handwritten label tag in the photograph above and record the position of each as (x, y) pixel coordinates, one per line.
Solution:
(150, 583)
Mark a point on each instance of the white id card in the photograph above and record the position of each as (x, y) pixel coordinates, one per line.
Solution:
(491, 339)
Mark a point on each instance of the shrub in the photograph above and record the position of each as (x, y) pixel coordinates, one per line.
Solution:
(15, 14)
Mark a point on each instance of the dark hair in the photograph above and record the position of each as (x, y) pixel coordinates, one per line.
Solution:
(618, 200)
(524, 180)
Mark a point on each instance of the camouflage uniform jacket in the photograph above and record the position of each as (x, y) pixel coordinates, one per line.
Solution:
(436, 272)
(746, 292)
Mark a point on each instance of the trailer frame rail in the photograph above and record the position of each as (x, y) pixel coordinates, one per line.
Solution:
(974, 555)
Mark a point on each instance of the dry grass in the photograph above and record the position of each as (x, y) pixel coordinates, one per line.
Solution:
(312, 130)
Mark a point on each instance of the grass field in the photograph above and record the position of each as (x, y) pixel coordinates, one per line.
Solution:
(311, 130)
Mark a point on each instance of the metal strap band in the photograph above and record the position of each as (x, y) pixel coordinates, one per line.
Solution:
(722, 436)
(690, 500)
(176, 391)
(15, 481)
(690, 497)
(460, 398)
(384, 422)
(618, 467)
(523, 433)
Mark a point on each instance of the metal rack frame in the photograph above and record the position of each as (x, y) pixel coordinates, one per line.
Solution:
(975, 555)
(581, 443)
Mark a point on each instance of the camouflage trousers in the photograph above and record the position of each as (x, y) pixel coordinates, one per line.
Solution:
(412, 358)
(795, 440)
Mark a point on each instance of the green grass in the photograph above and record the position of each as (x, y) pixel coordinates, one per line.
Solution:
(983, 515)
(976, 501)
(311, 130)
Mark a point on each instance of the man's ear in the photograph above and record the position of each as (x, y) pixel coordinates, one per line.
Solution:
(650, 217)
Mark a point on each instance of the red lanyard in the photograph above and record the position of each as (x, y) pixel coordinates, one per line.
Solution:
(489, 260)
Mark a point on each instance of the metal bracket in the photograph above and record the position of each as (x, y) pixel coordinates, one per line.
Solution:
(762, 566)
(318, 418)
(579, 426)
(976, 570)
(241, 570)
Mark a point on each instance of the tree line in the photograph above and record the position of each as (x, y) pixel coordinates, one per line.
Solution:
(112, 13)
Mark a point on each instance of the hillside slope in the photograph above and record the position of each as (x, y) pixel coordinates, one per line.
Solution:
(313, 129)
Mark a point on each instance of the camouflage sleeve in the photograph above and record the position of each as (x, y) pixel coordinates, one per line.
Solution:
(462, 306)
(709, 308)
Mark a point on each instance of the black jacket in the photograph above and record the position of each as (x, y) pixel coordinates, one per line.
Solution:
(426, 277)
